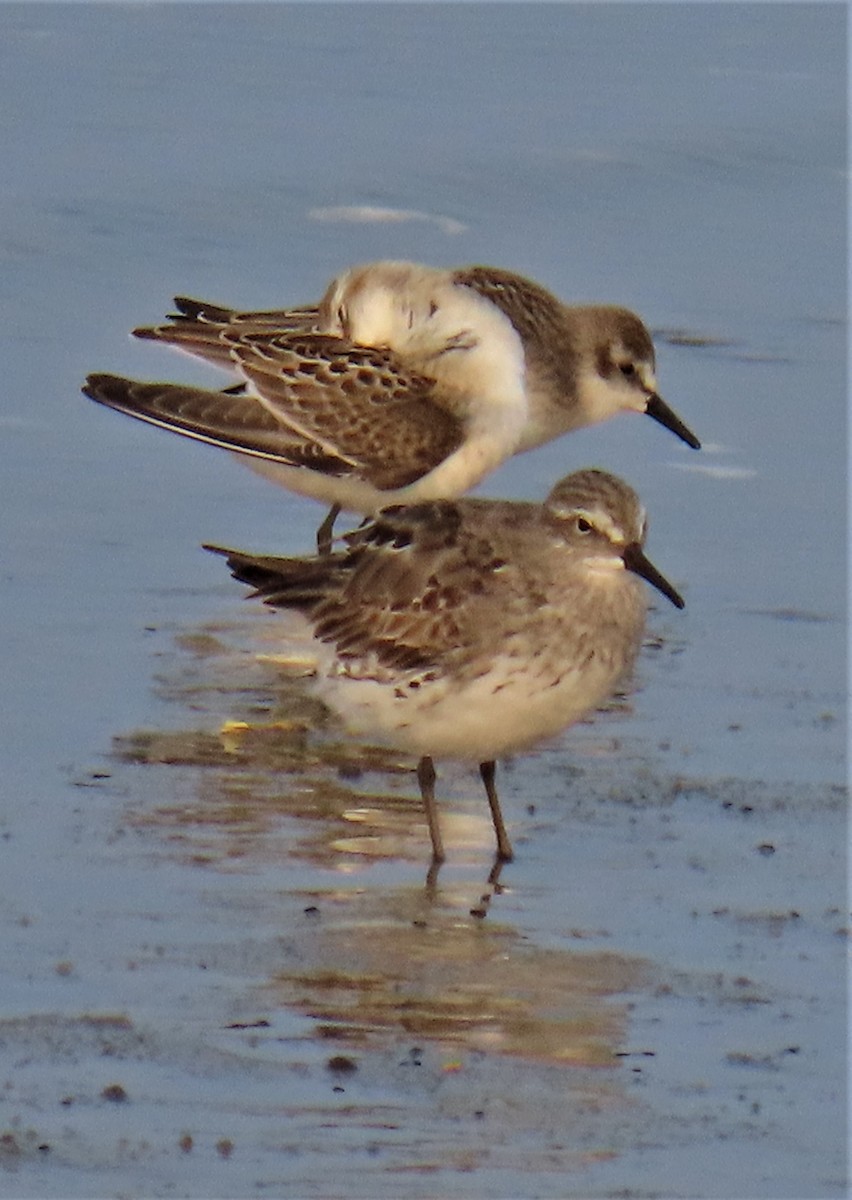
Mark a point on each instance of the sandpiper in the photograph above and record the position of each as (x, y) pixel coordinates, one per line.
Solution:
(406, 383)
(472, 629)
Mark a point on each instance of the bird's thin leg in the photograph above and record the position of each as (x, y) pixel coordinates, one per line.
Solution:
(432, 879)
(480, 910)
(426, 779)
(504, 846)
(326, 530)
(494, 875)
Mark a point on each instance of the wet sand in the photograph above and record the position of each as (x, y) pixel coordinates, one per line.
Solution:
(650, 989)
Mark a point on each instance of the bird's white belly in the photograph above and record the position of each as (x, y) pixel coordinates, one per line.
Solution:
(350, 492)
(506, 710)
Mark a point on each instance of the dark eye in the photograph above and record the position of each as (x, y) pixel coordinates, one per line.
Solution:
(583, 526)
(627, 370)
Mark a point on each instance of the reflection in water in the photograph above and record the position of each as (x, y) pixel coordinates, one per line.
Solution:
(412, 962)
(389, 963)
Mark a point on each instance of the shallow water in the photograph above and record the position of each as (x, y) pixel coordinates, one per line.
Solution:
(651, 999)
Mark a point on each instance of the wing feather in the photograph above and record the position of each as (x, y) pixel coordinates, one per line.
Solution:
(231, 421)
(408, 592)
(198, 327)
(356, 401)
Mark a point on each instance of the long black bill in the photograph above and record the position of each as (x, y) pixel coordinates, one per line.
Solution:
(660, 411)
(635, 560)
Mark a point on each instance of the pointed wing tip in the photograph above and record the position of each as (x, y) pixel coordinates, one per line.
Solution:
(232, 559)
(98, 385)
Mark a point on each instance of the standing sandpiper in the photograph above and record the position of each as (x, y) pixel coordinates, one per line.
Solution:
(472, 629)
(406, 383)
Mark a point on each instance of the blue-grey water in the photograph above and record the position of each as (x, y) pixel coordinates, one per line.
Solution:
(689, 161)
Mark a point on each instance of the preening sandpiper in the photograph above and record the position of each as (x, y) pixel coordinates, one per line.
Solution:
(405, 383)
(472, 629)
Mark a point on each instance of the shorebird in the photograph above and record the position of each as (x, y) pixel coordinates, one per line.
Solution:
(406, 383)
(472, 629)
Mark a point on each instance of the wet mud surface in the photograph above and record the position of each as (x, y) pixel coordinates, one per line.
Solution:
(654, 985)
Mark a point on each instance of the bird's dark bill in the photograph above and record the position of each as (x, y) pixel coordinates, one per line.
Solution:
(635, 560)
(660, 411)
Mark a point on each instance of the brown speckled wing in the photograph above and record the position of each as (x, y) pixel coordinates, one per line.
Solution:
(405, 593)
(357, 401)
(320, 402)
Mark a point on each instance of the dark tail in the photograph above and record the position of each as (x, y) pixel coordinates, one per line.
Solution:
(298, 583)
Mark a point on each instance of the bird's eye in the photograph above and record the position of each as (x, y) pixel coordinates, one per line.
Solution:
(341, 316)
(627, 370)
(583, 526)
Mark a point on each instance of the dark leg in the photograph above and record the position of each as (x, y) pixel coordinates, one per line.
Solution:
(504, 846)
(480, 910)
(426, 779)
(432, 879)
(325, 530)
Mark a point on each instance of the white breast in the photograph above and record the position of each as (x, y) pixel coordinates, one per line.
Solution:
(510, 708)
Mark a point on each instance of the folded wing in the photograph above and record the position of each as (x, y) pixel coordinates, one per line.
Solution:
(314, 400)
